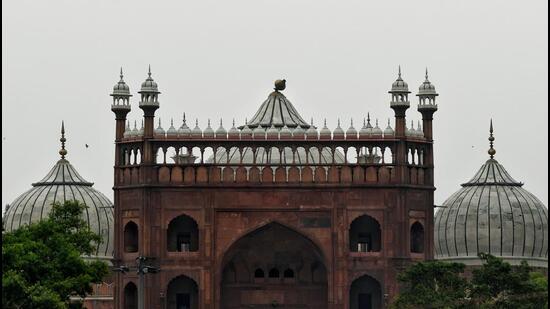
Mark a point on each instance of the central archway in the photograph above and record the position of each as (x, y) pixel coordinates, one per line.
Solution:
(274, 266)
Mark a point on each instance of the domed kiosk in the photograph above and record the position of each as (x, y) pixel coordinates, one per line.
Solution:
(492, 213)
(63, 183)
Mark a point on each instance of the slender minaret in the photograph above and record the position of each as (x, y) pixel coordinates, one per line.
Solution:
(121, 105)
(399, 103)
(426, 106)
(149, 104)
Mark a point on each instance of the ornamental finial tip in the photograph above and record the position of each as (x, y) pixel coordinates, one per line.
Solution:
(149, 73)
(492, 150)
(62, 151)
(399, 71)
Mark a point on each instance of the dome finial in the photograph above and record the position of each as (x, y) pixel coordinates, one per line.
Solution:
(184, 121)
(426, 73)
(280, 84)
(399, 72)
(121, 75)
(149, 73)
(62, 151)
(492, 150)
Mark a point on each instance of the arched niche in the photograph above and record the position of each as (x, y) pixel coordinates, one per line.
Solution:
(417, 238)
(131, 237)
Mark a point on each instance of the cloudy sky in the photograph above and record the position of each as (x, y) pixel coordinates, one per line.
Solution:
(212, 59)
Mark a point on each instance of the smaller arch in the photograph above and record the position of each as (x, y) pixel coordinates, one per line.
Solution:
(417, 237)
(365, 235)
(288, 273)
(274, 273)
(182, 292)
(183, 235)
(131, 237)
(259, 273)
(130, 296)
(365, 292)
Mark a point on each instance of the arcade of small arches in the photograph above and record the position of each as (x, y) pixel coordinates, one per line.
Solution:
(273, 156)
(271, 263)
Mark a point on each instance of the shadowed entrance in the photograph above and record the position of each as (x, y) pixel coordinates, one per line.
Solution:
(274, 267)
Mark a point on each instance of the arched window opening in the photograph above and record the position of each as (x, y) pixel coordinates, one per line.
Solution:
(131, 237)
(365, 235)
(183, 235)
(417, 238)
(274, 273)
(288, 273)
(130, 296)
(259, 273)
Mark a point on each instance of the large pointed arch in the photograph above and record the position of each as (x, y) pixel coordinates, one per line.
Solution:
(256, 264)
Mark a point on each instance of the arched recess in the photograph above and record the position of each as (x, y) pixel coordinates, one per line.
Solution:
(182, 235)
(365, 235)
(277, 248)
(182, 292)
(417, 238)
(365, 293)
(130, 296)
(131, 237)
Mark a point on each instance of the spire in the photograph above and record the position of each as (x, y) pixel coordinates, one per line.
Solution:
(492, 150)
(399, 73)
(62, 151)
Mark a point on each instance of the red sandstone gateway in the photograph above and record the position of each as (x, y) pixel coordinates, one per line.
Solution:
(272, 214)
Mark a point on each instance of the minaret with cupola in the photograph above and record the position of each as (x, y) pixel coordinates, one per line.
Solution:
(426, 105)
(149, 103)
(399, 103)
(121, 107)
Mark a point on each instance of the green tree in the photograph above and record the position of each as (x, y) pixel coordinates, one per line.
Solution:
(498, 284)
(432, 284)
(494, 285)
(42, 263)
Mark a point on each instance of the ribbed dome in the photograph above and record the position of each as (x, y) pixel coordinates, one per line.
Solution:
(121, 88)
(277, 111)
(427, 88)
(492, 213)
(149, 85)
(63, 183)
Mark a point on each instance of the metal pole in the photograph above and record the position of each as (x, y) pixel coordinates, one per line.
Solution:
(141, 290)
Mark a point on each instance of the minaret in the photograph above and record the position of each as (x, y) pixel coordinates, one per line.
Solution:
(149, 103)
(121, 105)
(399, 103)
(426, 106)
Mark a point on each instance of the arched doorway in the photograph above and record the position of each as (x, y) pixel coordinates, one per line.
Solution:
(274, 267)
(365, 293)
(182, 293)
(130, 296)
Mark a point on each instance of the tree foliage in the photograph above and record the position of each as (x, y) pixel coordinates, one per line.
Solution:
(42, 263)
(496, 284)
(432, 284)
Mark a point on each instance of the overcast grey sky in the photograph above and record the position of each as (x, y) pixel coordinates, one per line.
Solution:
(487, 59)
